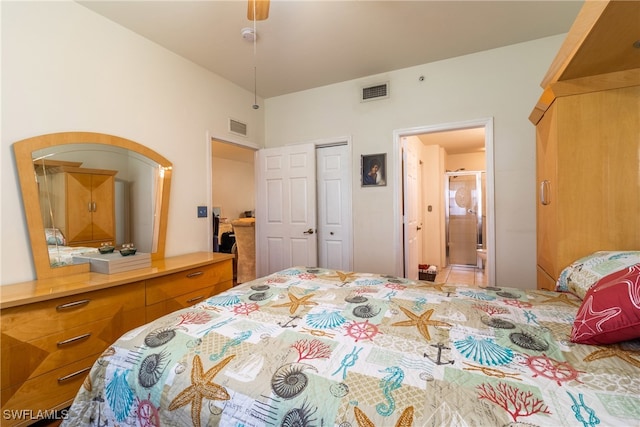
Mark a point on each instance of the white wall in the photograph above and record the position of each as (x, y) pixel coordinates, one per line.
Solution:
(65, 68)
(501, 83)
(233, 187)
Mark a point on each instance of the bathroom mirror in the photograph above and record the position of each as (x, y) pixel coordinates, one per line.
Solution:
(121, 186)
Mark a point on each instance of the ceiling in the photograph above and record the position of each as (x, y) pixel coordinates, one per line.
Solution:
(311, 43)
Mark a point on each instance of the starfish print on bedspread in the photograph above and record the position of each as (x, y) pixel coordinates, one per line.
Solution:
(405, 420)
(342, 276)
(201, 388)
(295, 302)
(562, 299)
(613, 351)
(420, 321)
(436, 286)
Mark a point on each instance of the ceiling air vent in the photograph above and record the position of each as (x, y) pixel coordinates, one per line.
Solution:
(378, 91)
(237, 127)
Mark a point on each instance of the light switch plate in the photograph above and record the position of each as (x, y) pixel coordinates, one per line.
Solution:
(202, 211)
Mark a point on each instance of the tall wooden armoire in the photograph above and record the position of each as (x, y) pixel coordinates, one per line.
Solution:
(588, 141)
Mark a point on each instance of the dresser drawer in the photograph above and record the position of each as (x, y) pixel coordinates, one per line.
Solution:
(25, 360)
(53, 390)
(184, 282)
(166, 306)
(32, 321)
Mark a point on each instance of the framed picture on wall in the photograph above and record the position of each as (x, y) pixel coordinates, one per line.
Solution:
(373, 170)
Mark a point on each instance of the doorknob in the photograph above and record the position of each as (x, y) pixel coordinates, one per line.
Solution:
(309, 231)
(418, 228)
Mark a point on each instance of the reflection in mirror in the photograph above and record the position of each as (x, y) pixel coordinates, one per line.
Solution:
(91, 191)
(96, 195)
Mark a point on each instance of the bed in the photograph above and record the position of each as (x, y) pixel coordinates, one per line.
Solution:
(317, 347)
(59, 253)
(64, 255)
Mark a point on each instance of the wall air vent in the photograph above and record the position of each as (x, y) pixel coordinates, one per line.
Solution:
(237, 127)
(379, 91)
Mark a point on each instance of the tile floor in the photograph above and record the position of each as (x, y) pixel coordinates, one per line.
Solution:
(473, 276)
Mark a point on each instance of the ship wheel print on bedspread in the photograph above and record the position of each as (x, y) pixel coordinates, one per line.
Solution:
(555, 370)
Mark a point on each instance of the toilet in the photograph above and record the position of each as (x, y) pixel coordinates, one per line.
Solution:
(482, 257)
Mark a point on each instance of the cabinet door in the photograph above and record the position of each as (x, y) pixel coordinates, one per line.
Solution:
(90, 207)
(547, 191)
(79, 218)
(598, 150)
(102, 207)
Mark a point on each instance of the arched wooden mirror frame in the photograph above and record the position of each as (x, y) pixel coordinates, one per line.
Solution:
(24, 150)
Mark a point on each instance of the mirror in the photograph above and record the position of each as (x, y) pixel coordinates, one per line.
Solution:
(82, 190)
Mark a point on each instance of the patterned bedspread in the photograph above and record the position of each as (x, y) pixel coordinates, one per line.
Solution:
(63, 255)
(314, 347)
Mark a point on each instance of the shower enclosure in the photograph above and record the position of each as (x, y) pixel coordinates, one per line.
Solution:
(465, 216)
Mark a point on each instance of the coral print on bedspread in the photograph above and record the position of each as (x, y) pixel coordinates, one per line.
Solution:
(316, 347)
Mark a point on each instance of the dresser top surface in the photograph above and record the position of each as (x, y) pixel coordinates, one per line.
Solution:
(42, 290)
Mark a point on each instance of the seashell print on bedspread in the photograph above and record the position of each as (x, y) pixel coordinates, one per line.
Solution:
(316, 347)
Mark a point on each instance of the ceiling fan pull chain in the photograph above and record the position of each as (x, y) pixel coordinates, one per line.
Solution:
(255, 105)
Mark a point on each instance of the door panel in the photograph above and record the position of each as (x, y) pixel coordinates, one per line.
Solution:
(78, 207)
(286, 208)
(103, 189)
(334, 209)
(412, 222)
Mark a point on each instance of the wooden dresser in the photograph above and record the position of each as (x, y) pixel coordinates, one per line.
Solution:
(54, 329)
(587, 141)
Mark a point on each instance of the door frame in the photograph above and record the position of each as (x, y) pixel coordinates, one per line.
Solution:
(398, 229)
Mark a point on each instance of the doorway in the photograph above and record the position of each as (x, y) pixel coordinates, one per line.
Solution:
(464, 217)
(432, 203)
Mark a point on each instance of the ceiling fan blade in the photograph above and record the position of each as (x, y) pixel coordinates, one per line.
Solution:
(261, 9)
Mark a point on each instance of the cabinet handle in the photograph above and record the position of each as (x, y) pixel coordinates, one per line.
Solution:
(74, 304)
(195, 274)
(93, 206)
(89, 206)
(192, 300)
(544, 192)
(74, 339)
(73, 375)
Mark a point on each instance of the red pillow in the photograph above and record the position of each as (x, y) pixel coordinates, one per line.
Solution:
(610, 311)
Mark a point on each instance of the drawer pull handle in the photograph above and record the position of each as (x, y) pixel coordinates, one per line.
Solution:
(195, 274)
(73, 375)
(192, 300)
(545, 187)
(74, 339)
(74, 304)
